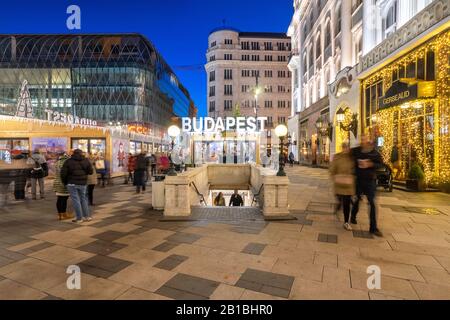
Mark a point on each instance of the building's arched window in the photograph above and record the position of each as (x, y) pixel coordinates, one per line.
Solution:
(390, 19)
(318, 47)
(311, 57)
(305, 65)
(338, 18)
(327, 35)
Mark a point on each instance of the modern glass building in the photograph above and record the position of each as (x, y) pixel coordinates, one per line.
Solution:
(109, 78)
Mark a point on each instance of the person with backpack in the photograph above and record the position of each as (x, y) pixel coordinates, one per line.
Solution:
(38, 173)
(62, 194)
(142, 164)
(74, 175)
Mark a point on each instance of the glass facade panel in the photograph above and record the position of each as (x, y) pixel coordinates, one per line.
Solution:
(107, 78)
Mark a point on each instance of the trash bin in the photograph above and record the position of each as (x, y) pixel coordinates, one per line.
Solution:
(158, 194)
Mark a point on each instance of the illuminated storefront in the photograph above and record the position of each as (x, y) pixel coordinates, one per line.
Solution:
(406, 108)
(51, 138)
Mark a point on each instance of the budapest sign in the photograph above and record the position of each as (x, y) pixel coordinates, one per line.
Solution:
(240, 124)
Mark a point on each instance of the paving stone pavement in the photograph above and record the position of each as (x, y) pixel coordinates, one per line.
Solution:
(126, 252)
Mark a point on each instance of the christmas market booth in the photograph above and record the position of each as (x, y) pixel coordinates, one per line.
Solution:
(53, 136)
(406, 107)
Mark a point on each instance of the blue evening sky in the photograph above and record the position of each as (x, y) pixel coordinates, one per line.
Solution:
(178, 28)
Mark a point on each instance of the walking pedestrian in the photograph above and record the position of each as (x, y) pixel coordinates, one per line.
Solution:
(74, 175)
(62, 194)
(21, 171)
(342, 173)
(92, 182)
(236, 200)
(140, 171)
(153, 164)
(291, 159)
(102, 168)
(38, 173)
(367, 160)
(131, 166)
(219, 201)
(5, 181)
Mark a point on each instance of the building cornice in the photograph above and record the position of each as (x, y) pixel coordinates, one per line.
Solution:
(434, 15)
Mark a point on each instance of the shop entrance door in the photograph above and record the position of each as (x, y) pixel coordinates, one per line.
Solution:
(414, 132)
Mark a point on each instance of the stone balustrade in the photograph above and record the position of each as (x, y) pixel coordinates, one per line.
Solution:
(181, 193)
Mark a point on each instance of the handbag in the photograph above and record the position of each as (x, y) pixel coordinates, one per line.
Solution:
(100, 165)
(344, 179)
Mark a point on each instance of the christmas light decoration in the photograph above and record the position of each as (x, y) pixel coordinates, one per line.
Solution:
(420, 127)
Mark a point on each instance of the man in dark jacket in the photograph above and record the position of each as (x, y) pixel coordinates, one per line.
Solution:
(236, 200)
(367, 160)
(140, 170)
(74, 174)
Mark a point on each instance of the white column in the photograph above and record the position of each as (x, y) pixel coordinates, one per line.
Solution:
(346, 34)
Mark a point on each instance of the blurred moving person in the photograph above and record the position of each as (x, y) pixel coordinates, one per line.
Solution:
(367, 160)
(342, 170)
(21, 172)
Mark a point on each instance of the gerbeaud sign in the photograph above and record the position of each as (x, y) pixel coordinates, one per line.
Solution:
(241, 124)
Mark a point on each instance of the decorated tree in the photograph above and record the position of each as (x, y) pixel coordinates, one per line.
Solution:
(24, 107)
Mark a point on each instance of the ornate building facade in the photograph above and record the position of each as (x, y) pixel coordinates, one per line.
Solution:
(326, 38)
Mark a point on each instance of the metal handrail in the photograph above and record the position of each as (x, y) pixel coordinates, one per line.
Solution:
(202, 197)
(257, 195)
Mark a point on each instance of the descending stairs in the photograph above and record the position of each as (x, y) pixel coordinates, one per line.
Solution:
(227, 213)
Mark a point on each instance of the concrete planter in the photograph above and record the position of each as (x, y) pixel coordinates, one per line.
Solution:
(415, 185)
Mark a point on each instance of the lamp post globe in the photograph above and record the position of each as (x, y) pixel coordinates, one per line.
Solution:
(281, 132)
(173, 131)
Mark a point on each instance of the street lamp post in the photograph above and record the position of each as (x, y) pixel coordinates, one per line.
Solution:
(174, 132)
(281, 131)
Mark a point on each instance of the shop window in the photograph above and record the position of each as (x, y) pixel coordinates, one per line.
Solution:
(91, 146)
(367, 108)
(421, 68)
(14, 145)
(411, 70)
(395, 76)
(401, 71)
(430, 66)
(373, 99)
